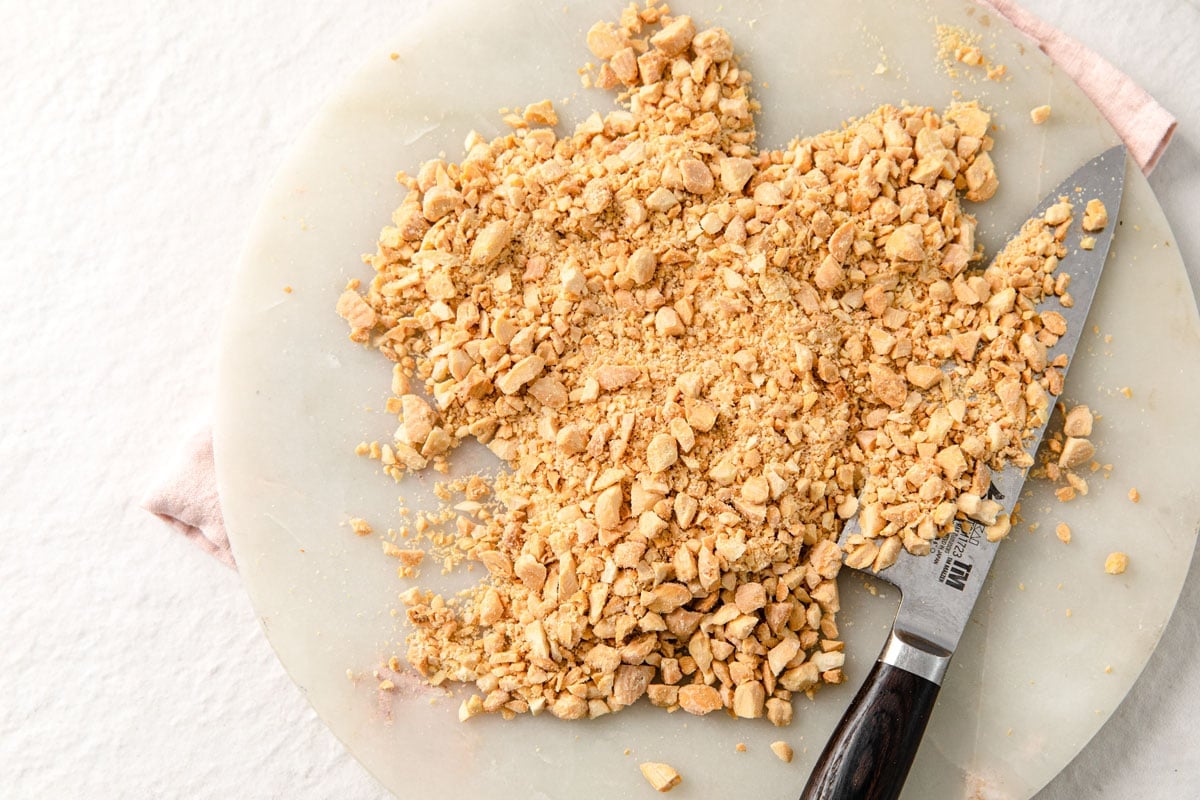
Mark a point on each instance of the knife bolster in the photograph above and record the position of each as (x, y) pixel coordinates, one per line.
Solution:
(916, 655)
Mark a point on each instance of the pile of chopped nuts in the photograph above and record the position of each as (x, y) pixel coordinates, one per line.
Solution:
(696, 360)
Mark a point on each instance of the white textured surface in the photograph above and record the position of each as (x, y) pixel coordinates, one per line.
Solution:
(135, 142)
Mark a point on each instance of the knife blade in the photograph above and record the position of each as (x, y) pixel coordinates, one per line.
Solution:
(870, 753)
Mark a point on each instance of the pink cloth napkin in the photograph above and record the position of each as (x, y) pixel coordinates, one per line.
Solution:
(187, 498)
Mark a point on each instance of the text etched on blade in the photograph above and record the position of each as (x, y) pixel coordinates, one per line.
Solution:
(955, 574)
(954, 555)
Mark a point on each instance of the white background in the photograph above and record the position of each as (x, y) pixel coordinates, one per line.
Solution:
(136, 139)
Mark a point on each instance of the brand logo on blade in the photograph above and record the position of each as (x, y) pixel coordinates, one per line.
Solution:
(955, 574)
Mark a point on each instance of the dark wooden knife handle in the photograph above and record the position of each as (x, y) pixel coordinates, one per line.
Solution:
(869, 754)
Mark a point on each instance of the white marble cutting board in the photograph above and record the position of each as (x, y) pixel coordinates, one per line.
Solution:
(1030, 684)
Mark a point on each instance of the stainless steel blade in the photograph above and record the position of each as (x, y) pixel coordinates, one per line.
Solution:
(939, 590)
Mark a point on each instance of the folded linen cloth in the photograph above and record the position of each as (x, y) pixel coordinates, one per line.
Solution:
(186, 497)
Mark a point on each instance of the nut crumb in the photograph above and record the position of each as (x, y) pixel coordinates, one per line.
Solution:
(360, 526)
(662, 777)
(1076, 451)
(1063, 532)
(1040, 114)
(1135, 496)
(1116, 563)
(1095, 216)
(1078, 422)
(740, 747)
(783, 750)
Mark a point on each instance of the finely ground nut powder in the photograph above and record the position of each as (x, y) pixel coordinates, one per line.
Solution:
(697, 359)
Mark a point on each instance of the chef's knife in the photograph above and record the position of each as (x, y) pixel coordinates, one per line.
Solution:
(872, 748)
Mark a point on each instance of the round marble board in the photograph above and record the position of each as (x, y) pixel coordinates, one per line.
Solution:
(1054, 643)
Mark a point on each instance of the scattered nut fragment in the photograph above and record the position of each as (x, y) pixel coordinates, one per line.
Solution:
(906, 243)
(540, 113)
(1058, 213)
(1040, 114)
(696, 177)
(1095, 215)
(749, 700)
(521, 373)
(783, 750)
(417, 420)
(355, 310)
(1135, 496)
(1063, 532)
(641, 266)
(662, 777)
(735, 172)
(1116, 563)
(608, 507)
(490, 242)
(408, 558)
(440, 201)
(662, 452)
(699, 699)
(1076, 451)
(668, 323)
(1078, 422)
(662, 200)
(360, 526)
(674, 36)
